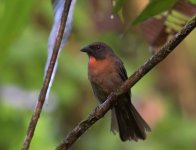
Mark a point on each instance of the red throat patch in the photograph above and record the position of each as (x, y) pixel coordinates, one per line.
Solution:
(98, 67)
(92, 60)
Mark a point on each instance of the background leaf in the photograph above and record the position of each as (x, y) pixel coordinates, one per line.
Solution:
(119, 5)
(193, 1)
(153, 8)
(156, 30)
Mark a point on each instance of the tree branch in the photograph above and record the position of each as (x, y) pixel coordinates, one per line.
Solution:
(42, 95)
(100, 110)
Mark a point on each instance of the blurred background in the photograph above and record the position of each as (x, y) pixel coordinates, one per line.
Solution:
(166, 96)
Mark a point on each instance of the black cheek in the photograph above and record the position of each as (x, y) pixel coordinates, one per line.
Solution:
(99, 55)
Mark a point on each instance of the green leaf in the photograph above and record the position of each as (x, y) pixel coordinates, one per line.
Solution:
(119, 5)
(193, 1)
(153, 8)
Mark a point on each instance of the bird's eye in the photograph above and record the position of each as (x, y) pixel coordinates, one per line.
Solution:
(98, 47)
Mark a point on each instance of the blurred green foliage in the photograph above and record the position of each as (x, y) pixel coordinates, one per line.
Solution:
(155, 7)
(24, 30)
(193, 1)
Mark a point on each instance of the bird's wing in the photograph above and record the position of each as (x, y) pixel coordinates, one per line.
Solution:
(122, 71)
(123, 74)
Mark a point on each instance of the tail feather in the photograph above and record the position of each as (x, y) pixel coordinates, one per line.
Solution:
(129, 123)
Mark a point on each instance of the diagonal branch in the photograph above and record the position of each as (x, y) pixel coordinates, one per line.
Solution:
(42, 95)
(100, 110)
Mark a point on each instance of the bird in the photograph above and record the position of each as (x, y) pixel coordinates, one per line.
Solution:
(106, 73)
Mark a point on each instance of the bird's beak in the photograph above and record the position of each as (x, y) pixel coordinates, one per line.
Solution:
(86, 49)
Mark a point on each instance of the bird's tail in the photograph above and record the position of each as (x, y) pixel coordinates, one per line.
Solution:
(128, 122)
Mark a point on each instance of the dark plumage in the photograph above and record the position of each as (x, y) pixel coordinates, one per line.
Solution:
(106, 73)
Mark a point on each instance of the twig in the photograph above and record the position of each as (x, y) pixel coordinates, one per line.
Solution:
(42, 95)
(100, 110)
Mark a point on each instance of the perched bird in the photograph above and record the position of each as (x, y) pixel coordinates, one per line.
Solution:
(106, 73)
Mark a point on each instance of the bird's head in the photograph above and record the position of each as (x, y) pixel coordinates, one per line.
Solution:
(98, 50)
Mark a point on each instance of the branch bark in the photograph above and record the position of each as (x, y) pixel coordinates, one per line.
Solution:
(100, 110)
(42, 95)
